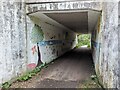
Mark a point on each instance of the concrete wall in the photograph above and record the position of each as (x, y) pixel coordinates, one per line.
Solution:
(16, 49)
(57, 39)
(73, 5)
(104, 37)
(12, 40)
(18, 52)
(105, 46)
(119, 42)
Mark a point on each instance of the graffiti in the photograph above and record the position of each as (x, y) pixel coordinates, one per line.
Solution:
(50, 42)
(34, 50)
(31, 65)
(37, 34)
(95, 44)
(53, 37)
(53, 52)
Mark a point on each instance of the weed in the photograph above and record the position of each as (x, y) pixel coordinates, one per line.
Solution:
(25, 77)
(29, 75)
(6, 85)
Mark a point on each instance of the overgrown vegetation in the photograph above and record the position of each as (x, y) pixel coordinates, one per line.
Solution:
(84, 39)
(26, 76)
(6, 85)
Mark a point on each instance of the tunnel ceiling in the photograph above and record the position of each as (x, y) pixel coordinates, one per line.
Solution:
(76, 21)
(81, 21)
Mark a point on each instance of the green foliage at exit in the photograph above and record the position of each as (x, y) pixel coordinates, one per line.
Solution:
(84, 39)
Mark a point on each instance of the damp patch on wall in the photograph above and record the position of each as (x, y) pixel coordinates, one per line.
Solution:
(95, 44)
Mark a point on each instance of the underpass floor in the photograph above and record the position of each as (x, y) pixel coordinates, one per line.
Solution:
(70, 70)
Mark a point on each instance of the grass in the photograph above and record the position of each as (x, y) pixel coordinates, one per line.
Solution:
(84, 39)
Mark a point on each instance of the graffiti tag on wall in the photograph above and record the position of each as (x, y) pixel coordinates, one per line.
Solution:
(34, 50)
(37, 34)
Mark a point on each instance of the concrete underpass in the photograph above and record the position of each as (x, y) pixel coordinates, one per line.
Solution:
(72, 66)
(37, 32)
(70, 70)
(55, 32)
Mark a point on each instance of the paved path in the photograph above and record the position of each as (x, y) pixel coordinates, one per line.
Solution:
(68, 71)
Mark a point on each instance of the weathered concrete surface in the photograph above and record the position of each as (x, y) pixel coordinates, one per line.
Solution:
(105, 41)
(119, 42)
(57, 39)
(32, 8)
(14, 44)
(68, 71)
(105, 46)
(79, 21)
(12, 40)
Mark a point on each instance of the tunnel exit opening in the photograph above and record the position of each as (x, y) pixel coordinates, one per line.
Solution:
(84, 40)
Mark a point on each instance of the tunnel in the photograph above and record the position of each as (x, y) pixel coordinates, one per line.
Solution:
(61, 22)
(55, 34)
(58, 31)
(40, 32)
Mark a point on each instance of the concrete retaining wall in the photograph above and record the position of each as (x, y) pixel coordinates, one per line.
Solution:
(119, 43)
(12, 40)
(17, 52)
(105, 46)
(16, 49)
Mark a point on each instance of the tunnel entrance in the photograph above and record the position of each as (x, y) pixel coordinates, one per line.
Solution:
(60, 31)
(55, 33)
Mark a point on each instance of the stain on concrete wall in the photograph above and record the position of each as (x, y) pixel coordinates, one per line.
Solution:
(75, 5)
(12, 40)
(35, 36)
(17, 51)
(119, 43)
(105, 52)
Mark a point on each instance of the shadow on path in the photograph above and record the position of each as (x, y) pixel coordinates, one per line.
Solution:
(68, 70)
